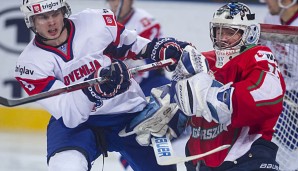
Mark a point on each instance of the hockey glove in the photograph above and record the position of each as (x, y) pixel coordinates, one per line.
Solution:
(191, 63)
(203, 96)
(164, 48)
(118, 81)
(160, 117)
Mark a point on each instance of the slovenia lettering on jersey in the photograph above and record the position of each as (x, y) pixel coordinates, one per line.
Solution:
(207, 134)
(23, 70)
(81, 72)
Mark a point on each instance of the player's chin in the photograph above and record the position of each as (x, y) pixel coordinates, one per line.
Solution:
(51, 36)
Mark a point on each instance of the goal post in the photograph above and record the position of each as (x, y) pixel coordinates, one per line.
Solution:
(283, 41)
(279, 33)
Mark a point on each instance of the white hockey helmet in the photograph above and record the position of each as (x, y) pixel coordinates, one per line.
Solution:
(236, 16)
(34, 7)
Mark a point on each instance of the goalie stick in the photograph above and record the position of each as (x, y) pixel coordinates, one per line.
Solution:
(164, 153)
(81, 85)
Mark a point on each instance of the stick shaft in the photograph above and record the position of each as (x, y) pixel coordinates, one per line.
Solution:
(165, 155)
(78, 86)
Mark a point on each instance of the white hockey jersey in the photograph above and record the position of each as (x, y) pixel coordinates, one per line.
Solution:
(285, 54)
(144, 24)
(94, 38)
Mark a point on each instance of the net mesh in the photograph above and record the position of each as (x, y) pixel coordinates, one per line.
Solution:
(286, 129)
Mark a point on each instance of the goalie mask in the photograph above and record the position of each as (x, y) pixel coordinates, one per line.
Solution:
(237, 18)
(34, 7)
(233, 27)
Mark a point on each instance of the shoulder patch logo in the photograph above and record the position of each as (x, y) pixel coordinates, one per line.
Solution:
(109, 19)
(265, 55)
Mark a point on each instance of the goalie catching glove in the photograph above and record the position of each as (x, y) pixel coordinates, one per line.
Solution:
(160, 117)
(203, 96)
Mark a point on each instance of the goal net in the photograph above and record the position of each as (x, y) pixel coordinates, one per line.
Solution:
(283, 41)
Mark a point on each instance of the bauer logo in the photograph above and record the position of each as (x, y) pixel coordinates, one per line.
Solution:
(163, 147)
(14, 33)
(269, 166)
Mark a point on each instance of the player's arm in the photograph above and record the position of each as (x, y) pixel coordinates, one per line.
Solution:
(127, 44)
(261, 92)
(73, 107)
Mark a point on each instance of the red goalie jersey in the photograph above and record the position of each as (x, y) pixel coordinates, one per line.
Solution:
(258, 95)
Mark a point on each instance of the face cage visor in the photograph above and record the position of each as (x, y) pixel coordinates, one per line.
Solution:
(221, 34)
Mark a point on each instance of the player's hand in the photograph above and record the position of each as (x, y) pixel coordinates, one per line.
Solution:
(118, 81)
(165, 48)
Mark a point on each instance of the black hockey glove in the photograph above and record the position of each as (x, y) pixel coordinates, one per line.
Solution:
(118, 81)
(165, 48)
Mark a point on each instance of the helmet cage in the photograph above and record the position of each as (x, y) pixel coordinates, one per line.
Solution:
(35, 7)
(236, 16)
(216, 34)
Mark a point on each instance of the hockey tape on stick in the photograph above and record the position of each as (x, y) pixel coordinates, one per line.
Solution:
(81, 85)
(164, 153)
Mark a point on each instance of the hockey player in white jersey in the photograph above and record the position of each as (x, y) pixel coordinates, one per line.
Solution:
(68, 49)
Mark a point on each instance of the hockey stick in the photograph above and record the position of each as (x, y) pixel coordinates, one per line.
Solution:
(84, 84)
(164, 153)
